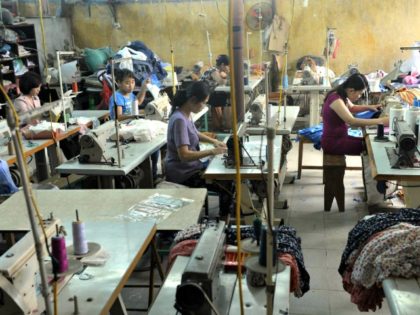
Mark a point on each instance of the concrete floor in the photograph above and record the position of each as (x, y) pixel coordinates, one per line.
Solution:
(323, 234)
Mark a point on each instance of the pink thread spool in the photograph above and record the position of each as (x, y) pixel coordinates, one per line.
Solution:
(59, 253)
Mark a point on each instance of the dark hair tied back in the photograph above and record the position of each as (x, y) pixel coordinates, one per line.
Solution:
(198, 90)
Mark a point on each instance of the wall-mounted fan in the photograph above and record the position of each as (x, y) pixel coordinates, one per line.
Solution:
(259, 16)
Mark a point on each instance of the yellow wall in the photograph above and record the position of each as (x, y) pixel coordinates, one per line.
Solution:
(370, 32)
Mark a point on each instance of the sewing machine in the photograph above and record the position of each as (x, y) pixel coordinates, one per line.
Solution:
(202, 274)
(159, 108)
(257, 110)
(5, 136)
(19, 272)
(351, 69)
(92, 144)
(405, 154)
(54, 109)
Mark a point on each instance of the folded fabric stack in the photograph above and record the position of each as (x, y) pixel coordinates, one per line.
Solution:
(378, 247)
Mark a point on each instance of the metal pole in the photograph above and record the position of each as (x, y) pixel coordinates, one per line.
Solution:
(237, 58)
(27, 190)
(285, 88)
(271, 134)
(209, 49)
(117, 133)
(267, 100)
(60, 78)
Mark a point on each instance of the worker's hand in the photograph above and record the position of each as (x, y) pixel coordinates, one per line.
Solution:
(218, 150)
(218, 143)
(145, 83)
(384, 120)
(376, 107)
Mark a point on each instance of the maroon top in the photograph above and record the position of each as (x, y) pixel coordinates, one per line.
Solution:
(335, 139)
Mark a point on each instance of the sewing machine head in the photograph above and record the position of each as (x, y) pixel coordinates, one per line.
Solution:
(54, 109)
(19, 271)
(92, 144)
(257, 110)
(405, 153)
(5, 134)
(201, 276)
(159, 108)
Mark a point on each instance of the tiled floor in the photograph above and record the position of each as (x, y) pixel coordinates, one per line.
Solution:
(324, 235)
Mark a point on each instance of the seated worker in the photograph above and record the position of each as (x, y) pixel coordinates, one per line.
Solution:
(183, 164)
(337, 115)
(29, 86)
(219, 101)
(127, 102)
(124, 96)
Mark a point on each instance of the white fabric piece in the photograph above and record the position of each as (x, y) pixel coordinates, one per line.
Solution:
(142, 130)
(132, 54)
(47, 126)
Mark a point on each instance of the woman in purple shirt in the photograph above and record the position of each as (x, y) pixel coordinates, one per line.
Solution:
(182, 164)
(337, 115)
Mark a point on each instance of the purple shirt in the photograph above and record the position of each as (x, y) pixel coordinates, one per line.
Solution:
(181, 131)
(335, 139)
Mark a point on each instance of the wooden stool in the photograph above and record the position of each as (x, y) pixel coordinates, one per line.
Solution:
(334, 168)
(302, 141)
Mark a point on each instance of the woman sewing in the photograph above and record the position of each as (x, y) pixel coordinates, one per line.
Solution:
(337, 114)
(183, 160)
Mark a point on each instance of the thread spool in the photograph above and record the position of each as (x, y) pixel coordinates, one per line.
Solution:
(262, 259)
(59, 253)
(380, 131)
(80, 244)
(75, 87)
(135, 108)
(10, 148)
(395, 113)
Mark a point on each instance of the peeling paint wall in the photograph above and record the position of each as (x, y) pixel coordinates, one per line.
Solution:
(370, 32)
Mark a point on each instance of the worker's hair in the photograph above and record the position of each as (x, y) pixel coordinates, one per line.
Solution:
(198, 91)
(29, 81)
(356, 81)
(222, 60)
(122, 74)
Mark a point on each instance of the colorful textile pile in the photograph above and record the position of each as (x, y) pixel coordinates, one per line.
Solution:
(378, 247)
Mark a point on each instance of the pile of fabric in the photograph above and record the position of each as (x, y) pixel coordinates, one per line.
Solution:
(378, 247)
(288, 250)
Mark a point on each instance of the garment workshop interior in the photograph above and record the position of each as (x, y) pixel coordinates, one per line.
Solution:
(209, 157)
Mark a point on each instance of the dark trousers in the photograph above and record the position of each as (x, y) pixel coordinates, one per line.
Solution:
(224, 190)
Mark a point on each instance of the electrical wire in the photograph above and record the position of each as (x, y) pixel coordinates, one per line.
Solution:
(220, 13)
(284, 68)
(171, 48)
(236, 152)
(44, 45)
